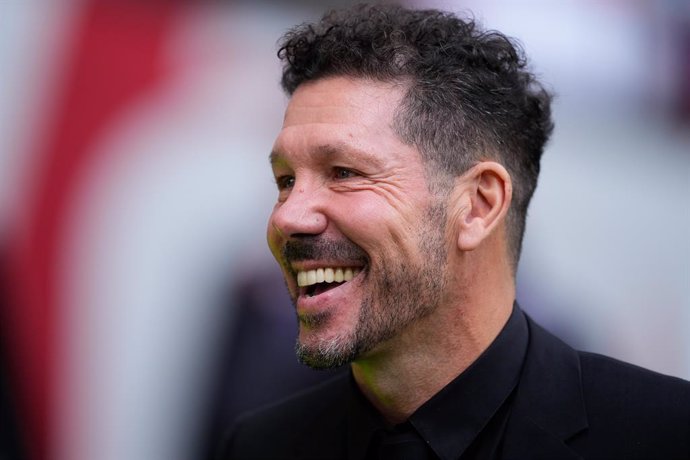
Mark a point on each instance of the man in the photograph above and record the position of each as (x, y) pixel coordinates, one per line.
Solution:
(408, 156)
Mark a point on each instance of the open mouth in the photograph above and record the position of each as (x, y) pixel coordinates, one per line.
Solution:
(314, 282)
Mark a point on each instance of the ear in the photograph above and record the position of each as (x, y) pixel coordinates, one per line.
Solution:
(486, 191)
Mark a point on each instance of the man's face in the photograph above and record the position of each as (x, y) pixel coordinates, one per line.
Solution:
(356, 231)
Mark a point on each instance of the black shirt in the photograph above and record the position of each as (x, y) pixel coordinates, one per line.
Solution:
(465, 420)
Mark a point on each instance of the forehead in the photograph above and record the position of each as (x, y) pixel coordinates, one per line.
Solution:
(343, 99)
(343, 112)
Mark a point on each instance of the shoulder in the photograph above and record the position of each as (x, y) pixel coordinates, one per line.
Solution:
(282, 429)
(604, 377)
(635, 398)
(633, 411)
(621, 382)
(622, 410)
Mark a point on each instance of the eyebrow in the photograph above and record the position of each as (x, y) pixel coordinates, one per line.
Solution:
(337, 149)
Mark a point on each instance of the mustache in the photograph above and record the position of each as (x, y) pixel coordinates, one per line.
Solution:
(316, 247)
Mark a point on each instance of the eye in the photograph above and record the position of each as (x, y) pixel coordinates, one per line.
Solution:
(285, 182)
(343, 173)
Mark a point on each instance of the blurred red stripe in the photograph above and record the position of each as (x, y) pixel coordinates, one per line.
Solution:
(116, 57)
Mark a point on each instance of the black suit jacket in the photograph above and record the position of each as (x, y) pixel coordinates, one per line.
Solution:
(568, 405)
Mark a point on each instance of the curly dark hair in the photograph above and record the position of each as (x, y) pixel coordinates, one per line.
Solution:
(470, 96)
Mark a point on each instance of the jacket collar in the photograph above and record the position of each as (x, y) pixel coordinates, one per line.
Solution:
(549, 406)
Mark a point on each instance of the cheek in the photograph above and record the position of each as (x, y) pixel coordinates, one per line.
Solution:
(377, 228)
(273, 238)
(364, 218)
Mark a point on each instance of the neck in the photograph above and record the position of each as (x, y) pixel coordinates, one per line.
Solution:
(406, 371)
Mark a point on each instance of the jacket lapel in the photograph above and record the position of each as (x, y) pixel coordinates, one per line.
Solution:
(549, 406)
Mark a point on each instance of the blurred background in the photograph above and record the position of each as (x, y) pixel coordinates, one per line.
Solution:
(140, 310)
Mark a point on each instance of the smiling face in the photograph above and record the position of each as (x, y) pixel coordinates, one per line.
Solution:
(356, 231)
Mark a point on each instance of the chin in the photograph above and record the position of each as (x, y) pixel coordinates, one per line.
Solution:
(319, 348)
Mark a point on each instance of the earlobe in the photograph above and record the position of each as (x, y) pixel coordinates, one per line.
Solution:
(487, 191)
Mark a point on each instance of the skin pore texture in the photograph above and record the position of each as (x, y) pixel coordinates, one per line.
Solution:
(431, 283)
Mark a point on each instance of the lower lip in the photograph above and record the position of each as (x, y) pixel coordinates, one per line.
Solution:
(329, 299)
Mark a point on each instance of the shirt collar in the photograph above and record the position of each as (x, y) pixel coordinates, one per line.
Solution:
(453, 418)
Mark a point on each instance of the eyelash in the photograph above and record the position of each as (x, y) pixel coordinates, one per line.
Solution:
(339, 173)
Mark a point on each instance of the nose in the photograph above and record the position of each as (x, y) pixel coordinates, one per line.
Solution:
(301, 214)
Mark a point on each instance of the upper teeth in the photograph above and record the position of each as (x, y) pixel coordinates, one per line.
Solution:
(327, 275)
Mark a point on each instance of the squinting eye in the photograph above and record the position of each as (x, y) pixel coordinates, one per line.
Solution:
(285, 182)
(342, 173)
